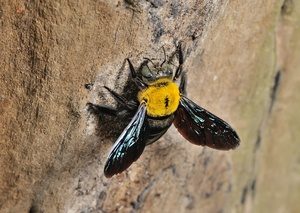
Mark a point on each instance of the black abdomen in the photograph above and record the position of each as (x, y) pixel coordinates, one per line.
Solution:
(154, 128)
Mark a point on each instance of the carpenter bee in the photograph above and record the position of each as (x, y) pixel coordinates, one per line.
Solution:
(161, 102)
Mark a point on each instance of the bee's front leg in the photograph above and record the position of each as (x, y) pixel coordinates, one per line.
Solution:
(182, 86)
(135, 78)
(180, 61)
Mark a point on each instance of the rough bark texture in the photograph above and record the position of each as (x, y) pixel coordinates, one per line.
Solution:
(242, 59)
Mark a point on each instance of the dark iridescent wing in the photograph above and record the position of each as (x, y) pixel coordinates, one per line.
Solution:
(201, 127)
(128, 148)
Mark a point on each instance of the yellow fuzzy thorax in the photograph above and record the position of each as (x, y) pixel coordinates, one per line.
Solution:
(162, 98)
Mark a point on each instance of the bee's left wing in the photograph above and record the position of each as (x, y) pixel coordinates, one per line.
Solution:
(201, 127)
(128, 147)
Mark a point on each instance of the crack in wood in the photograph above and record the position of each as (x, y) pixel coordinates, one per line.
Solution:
(138, 204)
(287, 7)
(33, 208)
(258, 140)
(274, 91)
(141, 198)
(249, 188)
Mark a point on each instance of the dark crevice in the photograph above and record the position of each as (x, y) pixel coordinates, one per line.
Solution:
(275, 89)
(258, 140)
(273, 96)
(141, 198)
(138, 204)
(157, 22)
(33, 209)
(88, 86)
(287, 7)
(1, 12)
(155, 3)
(249, 188)
(253, 187)
(244, 195)
(132, 3)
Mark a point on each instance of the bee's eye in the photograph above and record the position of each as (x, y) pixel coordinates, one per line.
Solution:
(146, 72)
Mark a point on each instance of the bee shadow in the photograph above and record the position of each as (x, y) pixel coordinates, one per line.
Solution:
(109, 125)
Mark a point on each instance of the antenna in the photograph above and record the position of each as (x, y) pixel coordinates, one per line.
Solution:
(148, 59)
(165, 56)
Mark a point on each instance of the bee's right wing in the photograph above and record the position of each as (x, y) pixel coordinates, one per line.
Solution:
(201, 127)
(128, 147)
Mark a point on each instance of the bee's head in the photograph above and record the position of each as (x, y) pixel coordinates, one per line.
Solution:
(150, 72)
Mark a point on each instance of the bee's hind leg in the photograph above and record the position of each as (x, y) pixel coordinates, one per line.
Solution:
(101, 109)
(129, 105)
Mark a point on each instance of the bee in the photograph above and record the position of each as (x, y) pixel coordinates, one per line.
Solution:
(160, 103)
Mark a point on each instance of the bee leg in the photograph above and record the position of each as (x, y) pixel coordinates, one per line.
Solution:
(106, 110)
(180, 60)
(180, 54)
(129, 105)
(182, 86)
(101, 109)
(135, 78)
